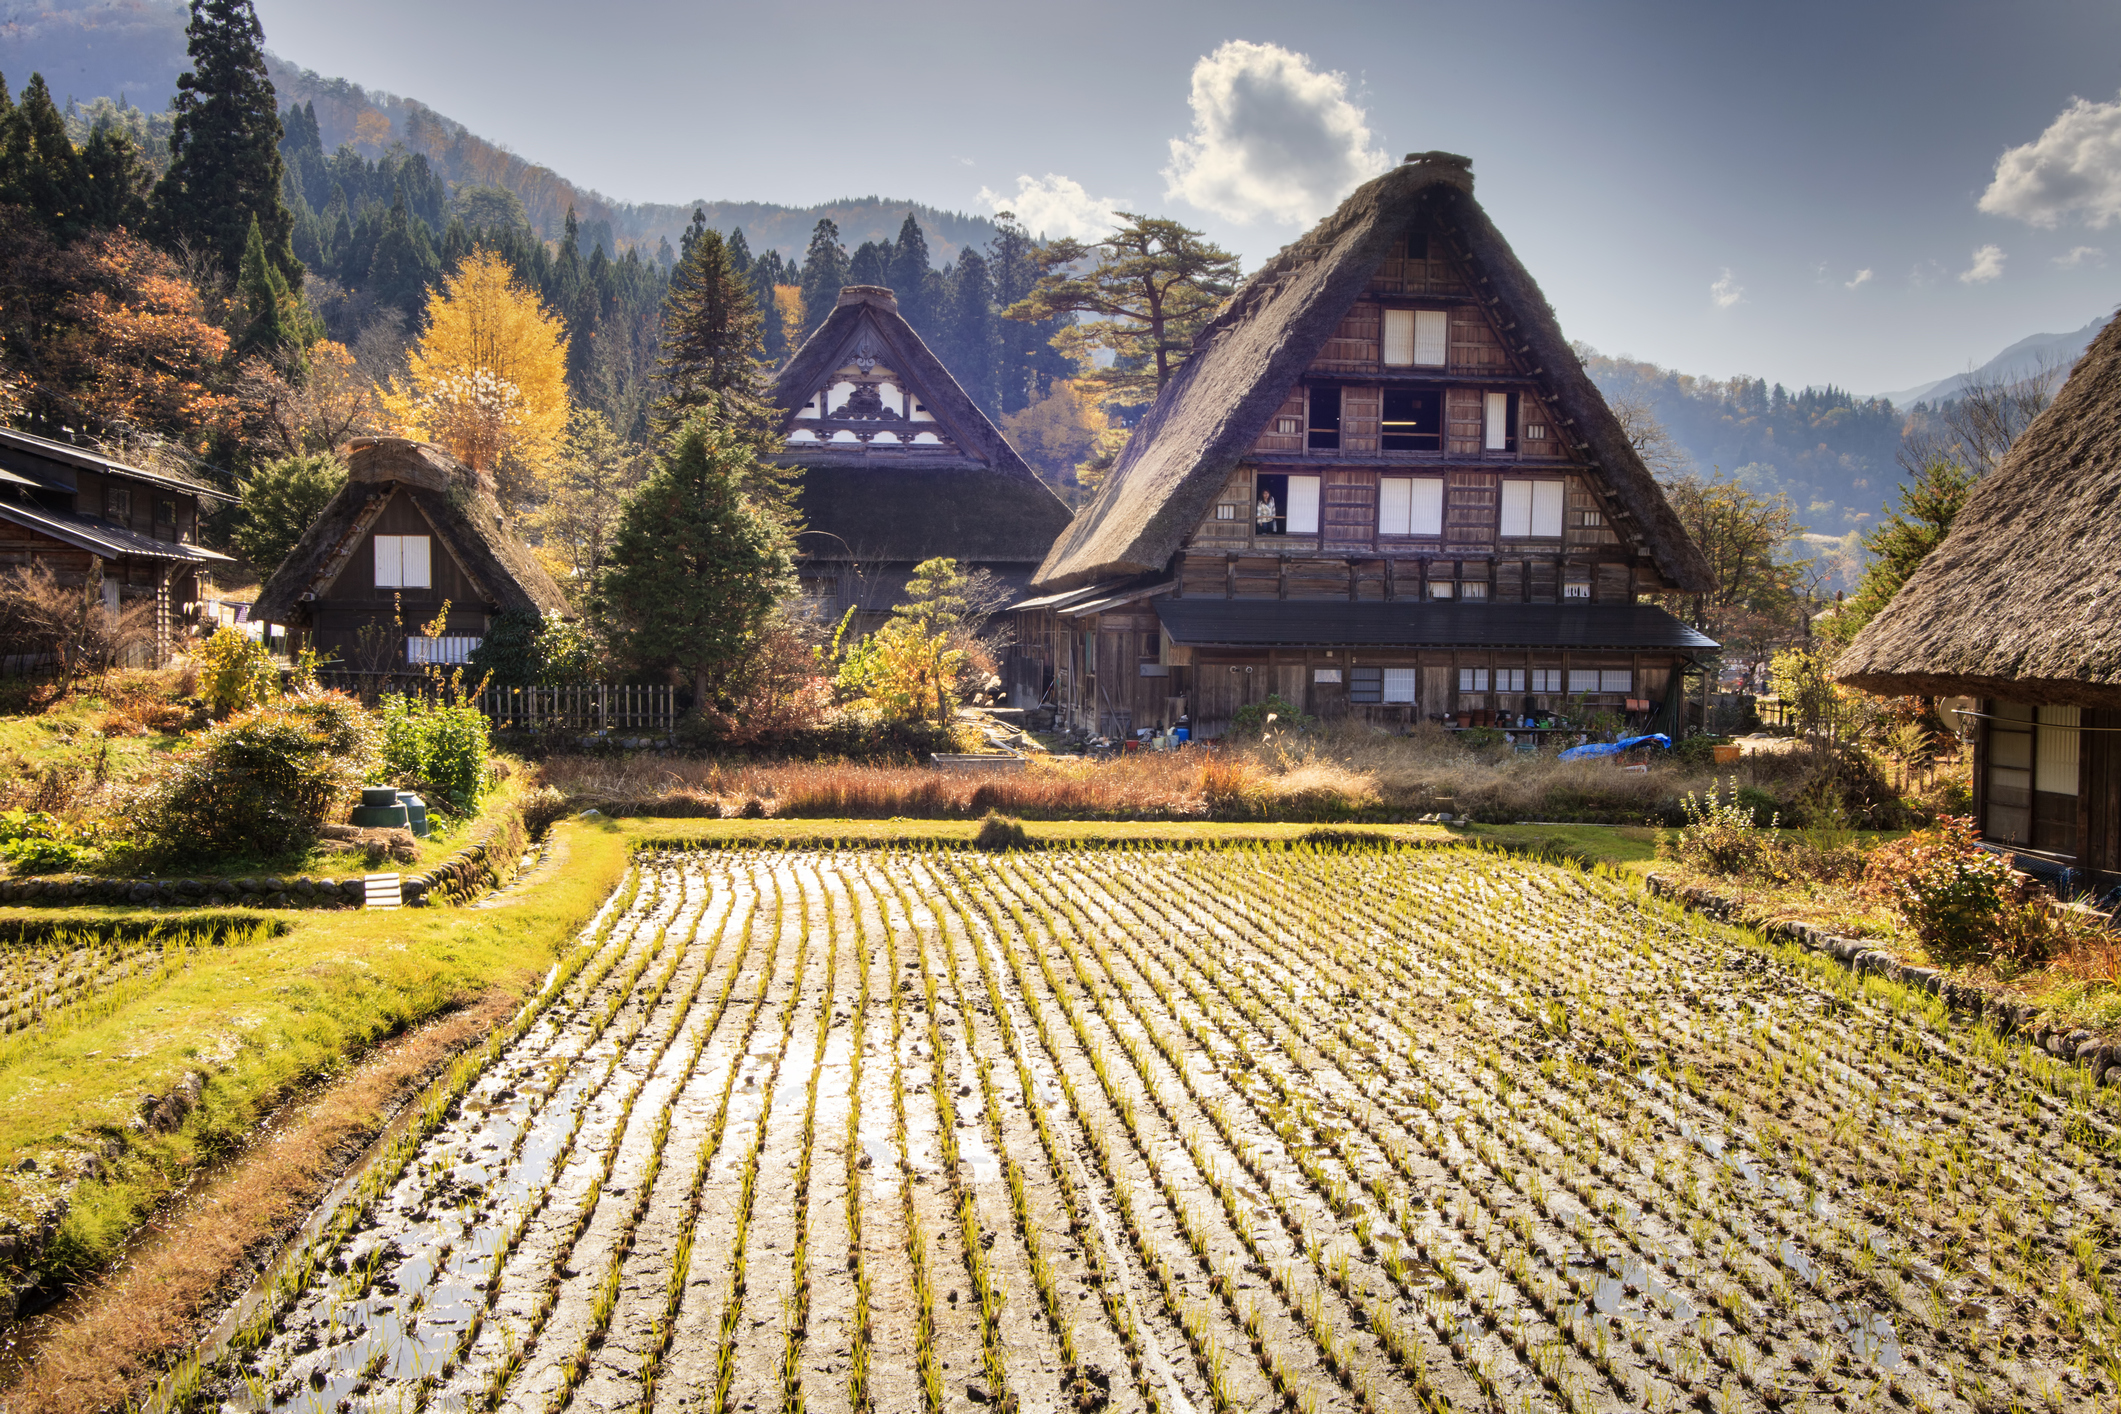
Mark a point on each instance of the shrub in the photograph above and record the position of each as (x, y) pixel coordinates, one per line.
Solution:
(37, 842)
(1950, 891)
(1722, 835)
(236, 672)
(521, 649)
(262, 781)
(998, 832)
(436, 747)
(1254, 717)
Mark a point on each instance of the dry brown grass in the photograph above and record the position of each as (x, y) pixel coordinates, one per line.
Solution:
(102, 1346)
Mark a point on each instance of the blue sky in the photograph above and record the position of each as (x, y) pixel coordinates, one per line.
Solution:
(1702, 185)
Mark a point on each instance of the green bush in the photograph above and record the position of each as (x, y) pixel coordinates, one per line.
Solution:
(1954, 894)
(998, 832)
(1722, 835)
(436, 747)
(235, 672)
(522, 650)
(35, 842)
(261, 782)
(1254, 718)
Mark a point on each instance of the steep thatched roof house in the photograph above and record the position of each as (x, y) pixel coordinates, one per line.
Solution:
(899, 464)
(412, 527)
(78, 514)
(2020, 608)
(1381, 485)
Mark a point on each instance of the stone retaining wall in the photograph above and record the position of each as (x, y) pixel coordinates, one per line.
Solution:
(485, 862)
(2007, 1017)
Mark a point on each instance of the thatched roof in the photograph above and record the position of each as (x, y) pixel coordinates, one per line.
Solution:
(1243, 364)
(973, 500)
(27, 451)
(458, 503)
(2022, 601)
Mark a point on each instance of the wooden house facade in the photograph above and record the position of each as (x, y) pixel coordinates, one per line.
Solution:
(83, 515)
(1381, 486)
(2019, 608)
(412, 529)
(899, 466)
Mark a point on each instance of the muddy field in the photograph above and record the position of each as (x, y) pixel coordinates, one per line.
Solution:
(1206, 1130)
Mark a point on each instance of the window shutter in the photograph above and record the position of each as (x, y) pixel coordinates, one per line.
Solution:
(2055, 750)
(418, 572)
(1432, 337)
(1498, 422)
(1546, 509)
(1395, 503)
(390, 564)
(1399, 684)
(1303, 505)
(1427, 518)
(1399, 337)
(1516, 508)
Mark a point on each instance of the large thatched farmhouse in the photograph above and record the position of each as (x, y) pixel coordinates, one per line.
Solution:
(82, 515)
(1382, 485)
(2020, 608)
(899, 465)
(413, 527)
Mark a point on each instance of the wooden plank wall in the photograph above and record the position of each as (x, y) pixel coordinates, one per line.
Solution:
(2099, 793)
(1471, 502)
(1354, 344)
(1464, 422)
(1349, 511)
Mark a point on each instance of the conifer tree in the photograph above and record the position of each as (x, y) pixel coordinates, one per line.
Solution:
(871, 264)
(824, 275)
(696, 565)
(739, 248)
(39, 169)
(225, 165)
(1904, 538)
(267, 329)
(912, 279)
(968, 328)
(767, 272)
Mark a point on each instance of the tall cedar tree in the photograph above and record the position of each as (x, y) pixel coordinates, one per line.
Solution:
(270, 326)
(968, 329)
(824, 275)
(696, 566)
(39, 169)
(225, 165)
(1149, 287)
(912, 279)
(1927, 508)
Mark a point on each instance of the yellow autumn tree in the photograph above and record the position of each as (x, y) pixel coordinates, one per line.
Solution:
(487, 378)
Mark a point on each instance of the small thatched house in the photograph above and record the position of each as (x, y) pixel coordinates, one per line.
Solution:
(899, 465)
(412, 527)
(2020, 608)
(1381, 486)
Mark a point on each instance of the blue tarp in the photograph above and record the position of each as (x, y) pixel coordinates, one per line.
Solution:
(1614, 748)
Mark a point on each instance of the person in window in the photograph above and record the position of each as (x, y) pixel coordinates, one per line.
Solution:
(1265, 513)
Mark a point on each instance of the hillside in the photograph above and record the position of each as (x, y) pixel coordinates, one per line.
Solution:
(2032, 355)
(134, 49)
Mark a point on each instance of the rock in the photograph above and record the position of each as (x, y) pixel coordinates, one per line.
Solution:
(279, 900)
(140, 892)
(305, 888)
(272, 886)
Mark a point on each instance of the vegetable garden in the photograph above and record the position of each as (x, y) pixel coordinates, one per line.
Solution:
(1322, 1128)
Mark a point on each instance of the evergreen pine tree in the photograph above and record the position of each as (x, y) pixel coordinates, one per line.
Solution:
(118, 180)
(266, 324)
(968, 329)
(871, 264)
(910, 277)
(225, 165)
(1014, 267)
(739, 250)
(767, 272)
(43, 173)
(695, 566)
(404, 264)
(824, 275)
(1918, 525)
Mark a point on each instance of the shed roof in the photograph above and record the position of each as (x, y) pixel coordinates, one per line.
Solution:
(1329, 623)
(457, 501)
(101, 538)
(30, 445)
(1243, 363)
(2022, 600)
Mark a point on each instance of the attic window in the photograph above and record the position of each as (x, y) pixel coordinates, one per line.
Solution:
(1325, 419)
(1413, 420)
(1535, 432)
(1288, 505)
(403, 562)
(117, 503)
(165, 513)
(1416, 336)
(1227, 510)
(1288, 426)
(1532, 509)
(1576, 589)
(1593, 518)
(1417, 245)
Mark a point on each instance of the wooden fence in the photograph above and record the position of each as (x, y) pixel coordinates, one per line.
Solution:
(621, 707)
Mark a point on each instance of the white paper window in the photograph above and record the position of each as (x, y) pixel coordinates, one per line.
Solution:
(451, 650)
(403, 562)
(1583, 680)
(1498, 421)
(1546, 679)
(1399, 337)
(1576, 589)
(1432, 337)
(1303, 505)
(1620, 680)
(2055, 751)
(1441, 588)
(1472, 679)
(1325, 675)
(1532, 508)
(1509, 679)
(1409, 505)
(1399, 684)
(1473, 589)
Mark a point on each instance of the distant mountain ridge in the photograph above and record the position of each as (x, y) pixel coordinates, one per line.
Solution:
(89, 49)
(2028, 356)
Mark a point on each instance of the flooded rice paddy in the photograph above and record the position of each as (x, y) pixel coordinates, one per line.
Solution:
(1189, 1131)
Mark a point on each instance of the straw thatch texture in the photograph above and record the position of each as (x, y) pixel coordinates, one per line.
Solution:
(2022, 601)
(1243, 364)
(457, 502)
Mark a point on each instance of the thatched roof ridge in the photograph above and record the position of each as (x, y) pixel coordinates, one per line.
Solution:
(457, 501)
(2022, 600)
(1243, 363)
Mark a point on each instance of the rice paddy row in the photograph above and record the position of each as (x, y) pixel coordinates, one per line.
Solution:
(1232, 1129)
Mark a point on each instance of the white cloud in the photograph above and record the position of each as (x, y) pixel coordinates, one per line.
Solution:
(1726, 291)
(1272, 137)
(1987, 266)
(2081, 255)
(1054, 205)
(2072, 169)
(1863, 277)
